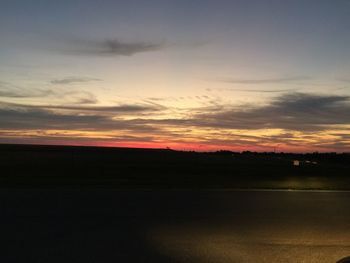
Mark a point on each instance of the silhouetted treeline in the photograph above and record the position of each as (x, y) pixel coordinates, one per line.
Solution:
(127, 167)
(315, 156)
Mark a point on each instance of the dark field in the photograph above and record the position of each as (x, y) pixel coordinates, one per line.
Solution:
(107, 225)
(62, 166)
(88, 204)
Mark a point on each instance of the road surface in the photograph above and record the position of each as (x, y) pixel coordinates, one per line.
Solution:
(173, 226)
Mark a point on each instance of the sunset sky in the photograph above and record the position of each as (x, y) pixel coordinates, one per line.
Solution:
(189, 75)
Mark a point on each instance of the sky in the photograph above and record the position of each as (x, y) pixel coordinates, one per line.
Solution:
(204, 75)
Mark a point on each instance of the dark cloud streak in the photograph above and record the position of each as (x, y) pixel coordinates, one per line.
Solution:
(277, 80)
(121, 108)
(124, 108)
(72, 80)
(295, 111)
(263, 90)
(33, 118)
(110, 47)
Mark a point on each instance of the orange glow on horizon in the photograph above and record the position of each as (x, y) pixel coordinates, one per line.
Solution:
(195, 140)
(183, 146)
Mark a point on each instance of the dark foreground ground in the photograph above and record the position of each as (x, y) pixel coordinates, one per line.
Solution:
(86, 204)
(173, 226)
(123, 168)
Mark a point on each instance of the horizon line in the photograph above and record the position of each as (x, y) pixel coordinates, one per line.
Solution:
(165, 148)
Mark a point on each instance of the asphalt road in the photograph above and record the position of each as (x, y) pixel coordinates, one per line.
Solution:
(173, 226)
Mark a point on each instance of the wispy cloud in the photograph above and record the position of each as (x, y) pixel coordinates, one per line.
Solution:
(24, 94)
(302, 119)
(76, 97)
(9, 90)
(276, 80)
(26, 116)
(294, 111)
(344, 79)
(72, 80)
(123, 108)
(12, 91)
(40, 118)
(110, 47)
(263, 90)
(126, 108)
